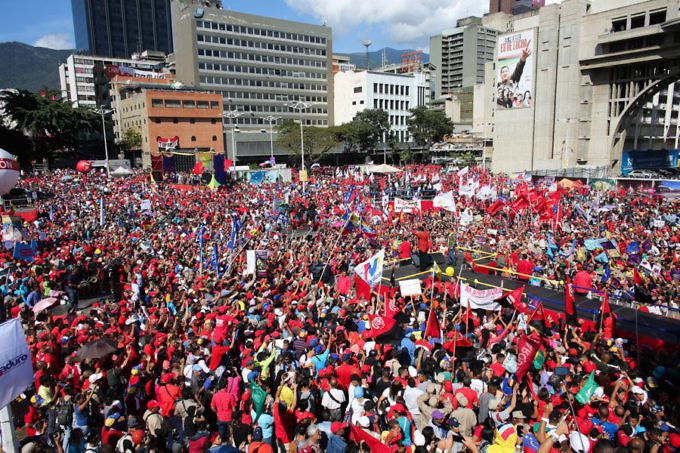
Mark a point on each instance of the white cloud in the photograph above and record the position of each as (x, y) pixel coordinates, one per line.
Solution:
(403, 21)
(55, 41)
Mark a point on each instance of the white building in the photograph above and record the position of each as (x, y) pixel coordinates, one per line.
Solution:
(84, 78)
(394, 93)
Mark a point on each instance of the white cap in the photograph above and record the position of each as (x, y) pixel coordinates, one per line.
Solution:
(579, 442)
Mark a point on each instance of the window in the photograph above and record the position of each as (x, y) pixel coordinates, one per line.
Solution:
(175, 121)
(214, 104)
(192, 120)
(172, 103)
(157, 120)
(618, 24)
(188, 104)
(361, 102)
(202, 104)
(375, 87)
(193, 138)
(358, 89)
(213, 121)
(157, 103)
(354, 102)
(637, 21)
(657, 17)
(214, 138)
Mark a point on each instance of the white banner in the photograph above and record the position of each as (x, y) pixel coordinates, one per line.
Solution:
(469, 189)
(407, 206)
(480, 299)
(16, 371)
(371, 270)
(251, 260)
(445, 201)
(145, 206)
(410, 287)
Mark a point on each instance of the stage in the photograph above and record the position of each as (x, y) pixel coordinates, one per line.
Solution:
(649, 326)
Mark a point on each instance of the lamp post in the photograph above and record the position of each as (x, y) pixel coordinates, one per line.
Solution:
(300, 106)
(565, 148)
(104, 111)
(232, 114)
(272, 120)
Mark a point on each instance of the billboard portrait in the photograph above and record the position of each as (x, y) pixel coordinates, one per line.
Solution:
(515, 70)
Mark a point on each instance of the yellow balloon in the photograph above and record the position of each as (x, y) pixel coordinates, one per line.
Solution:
(449, 271)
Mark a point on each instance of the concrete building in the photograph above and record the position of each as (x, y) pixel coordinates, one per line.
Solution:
(84, 79)
(394, 93)
(514, 6)
(458, 107)
(601, 85)
(342, 63)
(459, 55)
(258, 64)
(186, 120)
(119, 28)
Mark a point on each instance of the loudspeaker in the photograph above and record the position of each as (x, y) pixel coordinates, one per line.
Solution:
(415, 257)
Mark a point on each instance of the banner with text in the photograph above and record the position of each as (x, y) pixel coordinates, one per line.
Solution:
(16, 371)
(480, 299)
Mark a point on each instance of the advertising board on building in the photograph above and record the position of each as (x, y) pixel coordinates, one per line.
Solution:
(515, 70)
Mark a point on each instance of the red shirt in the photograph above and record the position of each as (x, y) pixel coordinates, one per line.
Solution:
(498, 369)
(167, 395)
(284, 424)
(29, 418)
(344, 373)
(223, 403)
(216, 354)
(584, 280)
(423, 240)
(470, 395)
(405, 250)
(525, 268)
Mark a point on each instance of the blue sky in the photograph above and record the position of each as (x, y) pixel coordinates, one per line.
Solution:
(391, 23)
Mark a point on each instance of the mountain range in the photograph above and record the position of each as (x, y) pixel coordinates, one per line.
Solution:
(392, 56)
(30, 68)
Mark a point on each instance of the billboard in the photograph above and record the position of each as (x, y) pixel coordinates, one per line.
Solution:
(515, 70)
(649, 159)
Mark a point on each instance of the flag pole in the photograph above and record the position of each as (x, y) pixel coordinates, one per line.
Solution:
(330, 252)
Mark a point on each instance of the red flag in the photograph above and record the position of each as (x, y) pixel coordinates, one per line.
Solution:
(198, 168)
(432, 327)
(359, 434)
(391, 308)
(636, 277)
(526, 352)
(363, 289)
(547, 319)
(380, 325)
(495, 207)
(227, 164)
(604, 309)
(515, 297)
(569, 301)
(500, 336)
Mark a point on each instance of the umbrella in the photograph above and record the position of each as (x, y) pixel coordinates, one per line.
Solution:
(97, 349)
(43, 304)
(383, 168)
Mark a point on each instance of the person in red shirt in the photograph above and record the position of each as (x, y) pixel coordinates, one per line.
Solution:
(423, 238)
(582, 282)
(469, 394)
(497, 367)
(345, 371)
(524, 268)
(405, 250)
(167, 394)
(223, 403)
(284, 419)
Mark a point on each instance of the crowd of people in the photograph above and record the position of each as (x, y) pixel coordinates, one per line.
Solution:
(200, 350)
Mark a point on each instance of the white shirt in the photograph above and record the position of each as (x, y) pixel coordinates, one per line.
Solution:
(329, 402)
(411, 395)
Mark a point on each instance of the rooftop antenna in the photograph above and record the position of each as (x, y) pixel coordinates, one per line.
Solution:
(367, 43)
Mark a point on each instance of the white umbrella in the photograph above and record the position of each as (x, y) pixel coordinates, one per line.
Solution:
(383, 168)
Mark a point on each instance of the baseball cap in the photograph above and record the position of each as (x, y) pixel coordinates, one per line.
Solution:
(337, 426)
(437, 414)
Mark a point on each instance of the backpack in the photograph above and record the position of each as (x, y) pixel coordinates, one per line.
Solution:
(65, 414)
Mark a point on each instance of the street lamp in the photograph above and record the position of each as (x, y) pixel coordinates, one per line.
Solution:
(300, 106)
(272, 120)
(104, 111)
(232, 114)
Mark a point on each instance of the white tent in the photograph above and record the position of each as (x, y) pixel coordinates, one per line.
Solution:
(383, 168)
(121, 171)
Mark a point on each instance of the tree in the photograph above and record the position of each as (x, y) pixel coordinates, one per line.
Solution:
(50, 125)
(428, 126)
(132, 139)
(369, 127)
(318, 140)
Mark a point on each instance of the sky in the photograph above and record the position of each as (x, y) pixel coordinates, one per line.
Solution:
(388, 23)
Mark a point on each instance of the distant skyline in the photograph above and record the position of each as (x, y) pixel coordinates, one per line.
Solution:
(388, 23)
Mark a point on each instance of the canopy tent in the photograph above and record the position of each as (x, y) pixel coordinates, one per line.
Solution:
(383, 168)
(121, 171)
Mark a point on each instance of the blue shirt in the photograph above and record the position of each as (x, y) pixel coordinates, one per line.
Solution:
(336, 444)
(266, 422)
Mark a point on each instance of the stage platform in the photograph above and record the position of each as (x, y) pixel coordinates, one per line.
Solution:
(648, 325)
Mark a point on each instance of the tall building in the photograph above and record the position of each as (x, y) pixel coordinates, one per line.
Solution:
(585, 88)
(84, 79)
(514, 6)
(119, 28)
(259, 64)
(394, 93)
(459, 55)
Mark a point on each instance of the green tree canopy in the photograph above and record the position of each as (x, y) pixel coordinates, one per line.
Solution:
(428, 126)
(318, 140)
(132, 139)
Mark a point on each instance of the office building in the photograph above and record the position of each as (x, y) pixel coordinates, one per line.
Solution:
(84, 79)
(514, 6)
(169, 118)
(596, 94)
(119, 28)
(394, 93)
(458, 55)
(259, 64)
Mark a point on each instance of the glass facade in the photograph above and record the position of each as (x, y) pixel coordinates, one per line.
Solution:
(119, 28)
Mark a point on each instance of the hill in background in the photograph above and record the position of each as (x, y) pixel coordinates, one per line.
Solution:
(392, 56)
(30, 68)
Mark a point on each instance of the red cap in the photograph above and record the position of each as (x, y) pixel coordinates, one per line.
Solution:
(337, 426)
(153, 404)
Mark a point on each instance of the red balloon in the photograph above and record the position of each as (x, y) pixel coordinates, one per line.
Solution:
(84, 166)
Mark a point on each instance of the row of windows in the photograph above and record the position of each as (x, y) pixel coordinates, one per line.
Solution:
(269, 97)
(187, 104)
(260, 45)
(84, 80)
(259, 32)
(185, 120)
(318, 110)
(261, 83)
(263, 58)
(384, 104)
(388, 88)
(258, 70)
(251, 121)
(83, 61)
